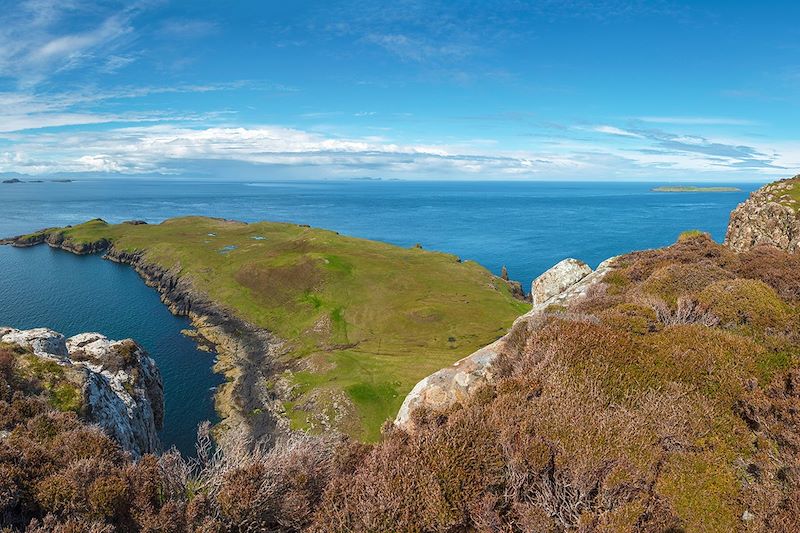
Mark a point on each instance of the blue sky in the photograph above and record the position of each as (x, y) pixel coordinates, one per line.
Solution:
(554, 89)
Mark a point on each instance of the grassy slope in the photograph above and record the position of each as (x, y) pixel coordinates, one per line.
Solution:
(369, 319)
(793, 194)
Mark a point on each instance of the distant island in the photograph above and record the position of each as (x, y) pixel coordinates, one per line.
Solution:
(692, 188)
(16, 180)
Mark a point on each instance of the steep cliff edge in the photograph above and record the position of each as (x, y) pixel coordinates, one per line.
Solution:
(113, 384)
(770, 216)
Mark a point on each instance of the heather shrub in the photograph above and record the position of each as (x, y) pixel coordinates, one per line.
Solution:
(667, 399)
(672, 281)
(638, 266)
(778, 269)
(742, 302)
(635, 318)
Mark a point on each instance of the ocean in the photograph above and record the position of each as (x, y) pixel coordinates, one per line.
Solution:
(525, 226)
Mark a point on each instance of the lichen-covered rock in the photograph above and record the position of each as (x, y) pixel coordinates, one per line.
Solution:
(771, 215)
(121, 387)
(562, 284)
(42, 341)
(563, 275)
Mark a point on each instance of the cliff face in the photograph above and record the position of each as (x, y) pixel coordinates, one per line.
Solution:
(120, 386)
(249, 351)
(770, 216)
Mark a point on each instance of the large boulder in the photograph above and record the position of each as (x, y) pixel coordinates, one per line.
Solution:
(42, 341)
(770, 216)
(563, 275)
(121, 387)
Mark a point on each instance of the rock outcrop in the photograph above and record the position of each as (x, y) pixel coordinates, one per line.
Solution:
(121, 387)
(563, 275)
(566, 282)
(770, 216)
(246, 353)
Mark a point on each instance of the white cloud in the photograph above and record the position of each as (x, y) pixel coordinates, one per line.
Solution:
(34, 44)
(698, 121)
(613, 130)
(100, 163)
(170, 149)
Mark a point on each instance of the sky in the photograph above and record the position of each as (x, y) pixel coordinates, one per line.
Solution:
(471, 90)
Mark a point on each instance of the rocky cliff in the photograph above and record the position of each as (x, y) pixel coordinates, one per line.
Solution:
(246, 353)
(120, 385)
(770, 216)
(564, 283)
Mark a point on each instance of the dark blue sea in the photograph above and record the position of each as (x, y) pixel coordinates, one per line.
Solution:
(526, 226)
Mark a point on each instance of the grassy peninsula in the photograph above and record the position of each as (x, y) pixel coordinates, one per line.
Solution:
(692, 188)
(363, 321)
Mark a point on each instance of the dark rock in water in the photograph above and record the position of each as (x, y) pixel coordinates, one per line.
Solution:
(517, 290)
(121, 386)
(13, 180)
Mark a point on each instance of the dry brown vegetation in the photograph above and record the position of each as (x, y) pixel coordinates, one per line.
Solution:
(667, 400)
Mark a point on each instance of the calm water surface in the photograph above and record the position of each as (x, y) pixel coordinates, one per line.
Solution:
(526, 226)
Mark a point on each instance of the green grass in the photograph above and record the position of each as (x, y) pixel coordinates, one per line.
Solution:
(791, 196)
(692, 233)
(63, 393)
(379, 316)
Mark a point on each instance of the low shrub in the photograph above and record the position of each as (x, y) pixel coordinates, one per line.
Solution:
(744, 302)
(672, 281)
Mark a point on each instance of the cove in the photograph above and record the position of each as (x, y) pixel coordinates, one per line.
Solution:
(44, 287)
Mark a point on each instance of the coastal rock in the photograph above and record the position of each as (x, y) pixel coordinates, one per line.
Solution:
(121, 387)
(247, 353)
(561, 285)
(770, 216)
(563, 275)
(43, 341)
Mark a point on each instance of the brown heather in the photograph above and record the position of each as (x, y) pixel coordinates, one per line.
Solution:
(667, 400)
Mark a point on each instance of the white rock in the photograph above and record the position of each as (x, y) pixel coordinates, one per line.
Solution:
(43, 341)
(122, 390)
(560, 277)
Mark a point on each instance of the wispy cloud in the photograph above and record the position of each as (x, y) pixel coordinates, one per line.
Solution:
(37, 41)
(613, 130)
(187, 28)
(25, 110)
(697, 121)
(410, 48)
(714, 154)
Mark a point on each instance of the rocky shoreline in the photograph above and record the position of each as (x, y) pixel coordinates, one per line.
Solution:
(246, 354)
(117, 385)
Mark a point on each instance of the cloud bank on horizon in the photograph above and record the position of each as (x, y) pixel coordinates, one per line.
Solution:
(550, 89)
